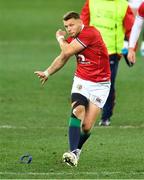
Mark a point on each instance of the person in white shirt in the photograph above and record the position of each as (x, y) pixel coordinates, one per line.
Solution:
(135, 4)
(135, 33)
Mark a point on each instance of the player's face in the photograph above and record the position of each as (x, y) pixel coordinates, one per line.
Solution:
(73, 26)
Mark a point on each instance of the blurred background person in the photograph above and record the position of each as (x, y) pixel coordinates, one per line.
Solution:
(136, 30)
(134, 4)
(114, 19)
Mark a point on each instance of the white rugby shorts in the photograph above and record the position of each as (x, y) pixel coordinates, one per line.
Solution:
(96, 93)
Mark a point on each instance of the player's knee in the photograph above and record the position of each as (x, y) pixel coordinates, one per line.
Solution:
(80, 103)
(79, 111)
(86, 127)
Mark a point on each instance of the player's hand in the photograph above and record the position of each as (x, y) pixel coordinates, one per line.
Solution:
(60, 33)
(131, 55)
(42, 76)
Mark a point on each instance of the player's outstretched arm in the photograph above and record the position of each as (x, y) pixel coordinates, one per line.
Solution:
(56, 65)
(42, 75)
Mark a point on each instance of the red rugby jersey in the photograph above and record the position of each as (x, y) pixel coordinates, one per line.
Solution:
(141, 10)
(92, 61)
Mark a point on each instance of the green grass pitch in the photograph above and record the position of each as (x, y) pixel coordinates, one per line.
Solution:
(34, 119)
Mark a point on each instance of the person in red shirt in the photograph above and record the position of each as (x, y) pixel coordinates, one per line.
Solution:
(136, 30)
(91, 84)
(93, 63)
(113, 22)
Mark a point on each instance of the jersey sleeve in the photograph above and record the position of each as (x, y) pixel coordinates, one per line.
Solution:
(128, 22)
(85, 38)
(135, 33)
(69, 40)
(141, 10)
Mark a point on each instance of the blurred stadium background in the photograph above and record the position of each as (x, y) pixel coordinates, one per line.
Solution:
(34, 119)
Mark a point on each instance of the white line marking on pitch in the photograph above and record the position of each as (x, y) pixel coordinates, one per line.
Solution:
(12, 127)
(63, 127)
(70, 173)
